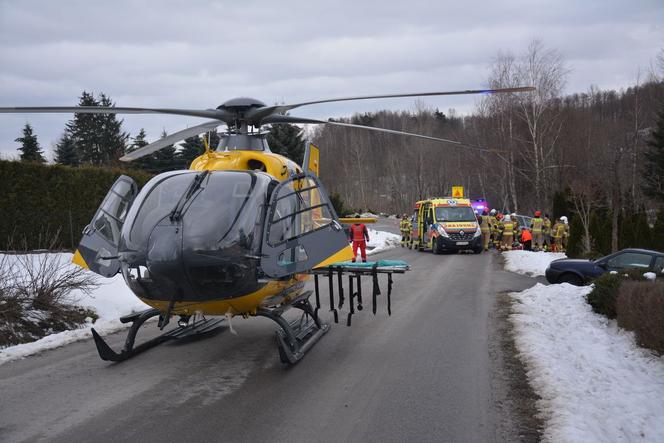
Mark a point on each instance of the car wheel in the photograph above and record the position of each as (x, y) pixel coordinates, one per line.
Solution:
(570, 278)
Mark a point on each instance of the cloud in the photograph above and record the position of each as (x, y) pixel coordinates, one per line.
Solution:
(197, 54)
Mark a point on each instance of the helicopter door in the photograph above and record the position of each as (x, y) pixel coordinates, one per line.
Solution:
(301, 228)
(98, 249)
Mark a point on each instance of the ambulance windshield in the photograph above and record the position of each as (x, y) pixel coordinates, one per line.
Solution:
(455, 214)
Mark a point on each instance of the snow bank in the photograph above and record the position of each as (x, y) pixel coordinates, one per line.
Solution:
(595, 383)
(369, 215)
(380, 241)
(529, 262)
(111, 300)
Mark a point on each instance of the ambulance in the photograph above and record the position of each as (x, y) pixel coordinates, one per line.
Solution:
(445, 225)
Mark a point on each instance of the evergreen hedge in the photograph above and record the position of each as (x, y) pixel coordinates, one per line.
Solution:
(38, 201)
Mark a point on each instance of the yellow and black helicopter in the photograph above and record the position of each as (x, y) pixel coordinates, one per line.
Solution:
(236, 234)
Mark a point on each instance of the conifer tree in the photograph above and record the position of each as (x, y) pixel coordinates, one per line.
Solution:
(30, 149)
(600, 231)
(575, 244)
(164, 159)
(658, 231)
(287, 140)
(138, 142)
(560, 206)
(65, 151)
(83, 131)
(98, 138)
(111, 139)
(191, 148)
(653, 174)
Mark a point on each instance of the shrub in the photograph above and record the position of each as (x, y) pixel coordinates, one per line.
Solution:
(640, 308)
(605, 291)
(38, 199)
(35, 296)
(603, 296)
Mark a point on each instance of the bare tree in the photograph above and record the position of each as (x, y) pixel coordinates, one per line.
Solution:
(545, 69)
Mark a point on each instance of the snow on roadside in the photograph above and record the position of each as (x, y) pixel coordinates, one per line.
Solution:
(529, 262)
(380, 241)
(111, 300)
(595, 383)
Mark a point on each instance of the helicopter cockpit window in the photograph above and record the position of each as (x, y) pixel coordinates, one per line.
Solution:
(157, 204)
(225, 213)
(108, 221)
(298, 209)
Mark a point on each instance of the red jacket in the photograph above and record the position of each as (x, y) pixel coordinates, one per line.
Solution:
(358, 232)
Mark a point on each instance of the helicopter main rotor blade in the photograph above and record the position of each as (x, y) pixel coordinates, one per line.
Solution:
(258, 114)
(205, 113)
(281, 119)
(169, 140)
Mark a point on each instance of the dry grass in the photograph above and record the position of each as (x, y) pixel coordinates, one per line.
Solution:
(640, 308)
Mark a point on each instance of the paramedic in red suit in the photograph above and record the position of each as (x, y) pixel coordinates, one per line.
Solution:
(359, 235)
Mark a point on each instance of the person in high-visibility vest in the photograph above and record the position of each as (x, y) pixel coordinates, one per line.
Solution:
(405, 230)
(498, 230)
(526, 239)
(359, 235)
(485, 228)
(565, 236)
(557, 234)
(508, 233)
(536, 225)
(493, 222)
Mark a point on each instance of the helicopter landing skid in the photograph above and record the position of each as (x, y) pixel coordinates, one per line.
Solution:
(296, 337)
(195, 328)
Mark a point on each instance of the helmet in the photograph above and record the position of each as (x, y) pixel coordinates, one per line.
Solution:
(508, 218)
(492, 212)
(538, 213)
(485, 212)
(476, 212)
(499, 216)
(513, 214)
(563, 218)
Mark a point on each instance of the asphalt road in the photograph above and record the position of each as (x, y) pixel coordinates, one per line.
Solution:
(423, 374)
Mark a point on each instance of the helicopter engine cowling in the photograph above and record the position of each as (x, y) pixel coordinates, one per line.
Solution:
(189, 242)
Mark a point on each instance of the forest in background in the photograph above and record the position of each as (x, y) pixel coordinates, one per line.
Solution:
(596, 150)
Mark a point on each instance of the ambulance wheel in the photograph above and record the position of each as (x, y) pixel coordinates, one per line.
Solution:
(434, 246)
(477, 250)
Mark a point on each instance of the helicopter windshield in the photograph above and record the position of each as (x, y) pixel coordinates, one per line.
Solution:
(201, 234)
(221, 211)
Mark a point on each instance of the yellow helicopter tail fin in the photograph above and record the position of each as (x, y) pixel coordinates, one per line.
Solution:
(311, 161)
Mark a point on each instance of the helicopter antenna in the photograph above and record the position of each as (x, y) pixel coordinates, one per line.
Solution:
(206, 143)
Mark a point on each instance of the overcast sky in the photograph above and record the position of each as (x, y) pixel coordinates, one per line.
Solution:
(198, 54)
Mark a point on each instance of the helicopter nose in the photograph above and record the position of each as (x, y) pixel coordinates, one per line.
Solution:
(164, 258)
